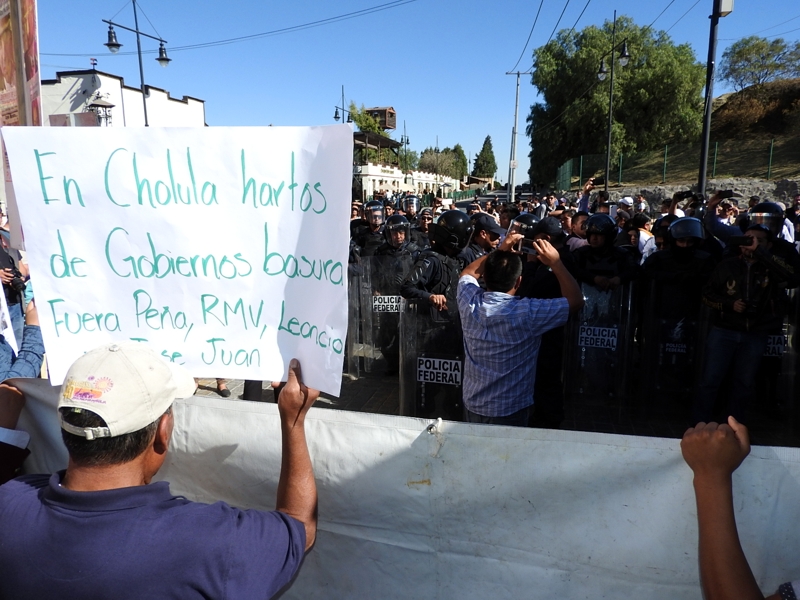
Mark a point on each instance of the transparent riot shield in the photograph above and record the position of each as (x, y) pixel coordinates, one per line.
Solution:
(352, 346)
(431, 363)
(381, 277)
(671, 344)
(598, 349)
(775, 379)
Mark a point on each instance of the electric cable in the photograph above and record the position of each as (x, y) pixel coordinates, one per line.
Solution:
(309, 25)
(528, 41)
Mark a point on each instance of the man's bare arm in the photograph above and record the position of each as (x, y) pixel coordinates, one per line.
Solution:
(714, 452)
(297, 490)
(570, 289)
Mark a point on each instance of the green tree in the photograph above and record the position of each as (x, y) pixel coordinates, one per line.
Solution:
(441, 163)
(753, 61)
(365, 121)
(461, 163)
(657, 96)
(485, 164)
(409, 159)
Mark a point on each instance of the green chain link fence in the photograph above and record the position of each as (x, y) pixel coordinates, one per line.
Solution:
(678, 163)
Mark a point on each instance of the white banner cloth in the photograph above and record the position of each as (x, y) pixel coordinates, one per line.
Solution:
(224, 248)
(477, 511)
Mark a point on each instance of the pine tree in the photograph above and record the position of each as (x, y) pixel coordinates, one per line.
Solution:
(485, 164)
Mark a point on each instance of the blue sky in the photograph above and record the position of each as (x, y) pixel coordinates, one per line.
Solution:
(440, 63)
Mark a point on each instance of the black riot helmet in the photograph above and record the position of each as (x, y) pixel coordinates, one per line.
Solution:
(603, 225)
(411, 205)
(767, 214)
(396, 223)
(687, 227)
(373, 212)
(524, 224)
(451, 232)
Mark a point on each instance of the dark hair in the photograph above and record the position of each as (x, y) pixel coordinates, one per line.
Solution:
(501, 270)
(581, 213)
(103, 451)
(513, 212)
(639, 220)
(602, 195)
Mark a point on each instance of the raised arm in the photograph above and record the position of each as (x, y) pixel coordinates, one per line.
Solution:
(569, 287)
(297, 490)
(714, 452)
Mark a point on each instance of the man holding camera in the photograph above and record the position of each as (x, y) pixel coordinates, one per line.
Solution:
(748, 295)
(502, 332)
(13, 287)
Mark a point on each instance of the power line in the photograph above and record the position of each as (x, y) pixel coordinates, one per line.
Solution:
(683, 15)
(784, 33)
(293, 28)
(557, 23)
(528, 41)
(659, 15)
(767, 29)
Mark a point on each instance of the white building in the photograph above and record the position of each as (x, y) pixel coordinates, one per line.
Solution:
(376, 178)
(94, 98)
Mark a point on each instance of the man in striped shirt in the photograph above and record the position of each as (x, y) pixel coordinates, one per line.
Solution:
(502, 332)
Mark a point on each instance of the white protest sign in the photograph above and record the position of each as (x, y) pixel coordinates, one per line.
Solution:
(223, 248)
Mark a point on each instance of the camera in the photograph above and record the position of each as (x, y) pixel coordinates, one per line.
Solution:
(684, 195)
(738, 241)
(725, 194)
(17, 283)
(598, 180)
(526, 247)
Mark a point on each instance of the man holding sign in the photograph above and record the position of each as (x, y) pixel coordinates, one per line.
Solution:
(101, 529)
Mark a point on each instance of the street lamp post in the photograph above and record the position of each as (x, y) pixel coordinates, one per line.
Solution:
(113, 45)
(344, 110)
(404, 142)
(721, 8)
(624, 57)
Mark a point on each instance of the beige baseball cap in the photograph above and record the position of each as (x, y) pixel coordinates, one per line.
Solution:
(127, 384)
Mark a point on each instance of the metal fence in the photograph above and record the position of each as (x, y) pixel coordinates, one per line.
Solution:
(679, 163)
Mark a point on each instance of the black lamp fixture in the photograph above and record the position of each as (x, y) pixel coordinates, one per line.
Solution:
(113, 45)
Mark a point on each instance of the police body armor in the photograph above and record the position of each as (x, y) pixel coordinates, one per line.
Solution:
(432, 347)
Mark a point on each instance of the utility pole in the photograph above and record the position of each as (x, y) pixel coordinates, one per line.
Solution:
(512, 163)
(721, 8)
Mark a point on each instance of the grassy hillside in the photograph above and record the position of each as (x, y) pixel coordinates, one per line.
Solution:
(746, 128)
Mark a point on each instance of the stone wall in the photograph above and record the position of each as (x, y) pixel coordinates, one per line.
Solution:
(781, 190)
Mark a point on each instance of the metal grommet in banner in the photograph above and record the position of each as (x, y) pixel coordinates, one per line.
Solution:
(433, 428)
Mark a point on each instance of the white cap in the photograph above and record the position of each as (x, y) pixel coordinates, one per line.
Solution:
(627, 201)
(127, 384)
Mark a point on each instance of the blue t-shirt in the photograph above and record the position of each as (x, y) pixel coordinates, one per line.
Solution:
(138, 542)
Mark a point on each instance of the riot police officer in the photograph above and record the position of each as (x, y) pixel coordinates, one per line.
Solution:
(432, 334)
(600, 263)
(397, 233)
(420, 234)
(386, 271)
(485, 238)
(411, 208)
(680, 271)
(369, 237)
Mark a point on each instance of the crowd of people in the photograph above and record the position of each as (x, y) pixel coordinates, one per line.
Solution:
(508, 278)
(706, 280)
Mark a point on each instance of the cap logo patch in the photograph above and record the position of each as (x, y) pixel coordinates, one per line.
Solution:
(91, 390)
